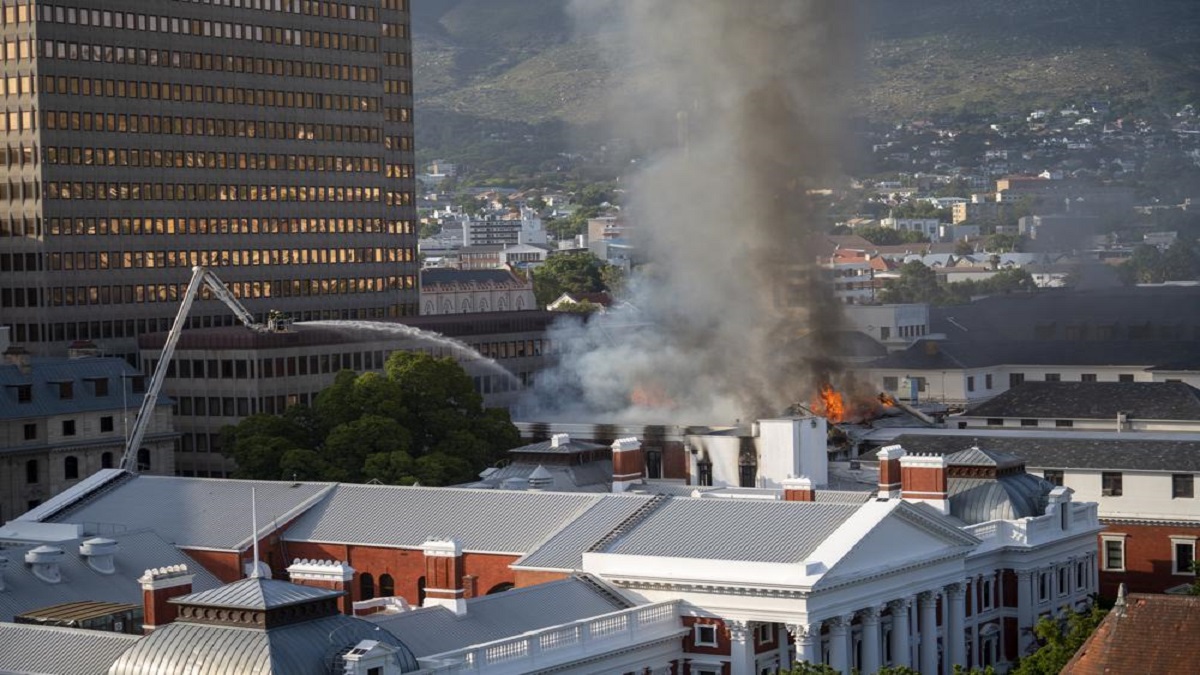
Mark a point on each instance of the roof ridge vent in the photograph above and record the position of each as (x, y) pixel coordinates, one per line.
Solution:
(44, 561)
(99, 553)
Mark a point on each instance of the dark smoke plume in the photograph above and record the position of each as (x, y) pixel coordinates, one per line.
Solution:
(730, 318)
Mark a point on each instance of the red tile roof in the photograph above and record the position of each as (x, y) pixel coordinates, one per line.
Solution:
(1154, 634)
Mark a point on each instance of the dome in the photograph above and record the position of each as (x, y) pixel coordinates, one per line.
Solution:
(978, 500)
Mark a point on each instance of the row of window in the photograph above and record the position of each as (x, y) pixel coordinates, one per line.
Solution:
(169, 58)
(201, 159)
(200, 93)
(106, 329)
(210, 192)
(1112, 483)
(1057, 583)
(202, 126)
(1144, 331)
(154, 23)
(71, 462)
(172, 226)
(323, 8)
(104, 260)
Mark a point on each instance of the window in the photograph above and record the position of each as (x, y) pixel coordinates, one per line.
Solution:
(1044, 587)
(653, 463)
(366, 587)
(1183, 551)
(1064, 423)
(106, 423)
(1114, 553)
(995, 422)
(1087, 377)
(1125, 377)
(1029, 423)
(970, 383)
(1183, 486)
(143, 460)
(68, 428)
(30, 432)
(704, 635)
(1080, 575)
(1064, 581)
(1016, 379)
(31, 471)
(1111, 484)
(891, 383)
(1053, 377)
(704, 473)
(765, 633)
(1053, 476)
(106, 460)
(987, 593)
(387, 586)
(71, 467)
(747, 474)
(987, 381)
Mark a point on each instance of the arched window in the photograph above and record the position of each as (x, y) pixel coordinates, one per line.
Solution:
(387, 587)
(71, 467)
(143, 460)
(366, 587)
(430, 307)
(421, 591)
(448, 306)
(500, 588)
(520, 302)
(466, 305)
(31, 471)
(483, 304)
(502, 303)
(106, 461)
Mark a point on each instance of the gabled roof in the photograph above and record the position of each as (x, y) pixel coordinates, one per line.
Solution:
(1068, 451)
(436, 630)
(66, 651)
(1150, 634)
(732, 529)
(959, 352)
(137, 552)
(205, 513)
(1094, 400)
(256, 593)
(976, 456)
(496, 521)
(564, 549)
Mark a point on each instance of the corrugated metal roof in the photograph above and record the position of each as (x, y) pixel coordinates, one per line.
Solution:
(975, 456)
(137, 552)
(482, 520)
(256, 594)
(46, 373)
(61, 651)
(435, 630)
(978, 500)
(307, 648)
(564, 550)
(733, 529)
(1077, 449)
(195, 512)
(79, 610)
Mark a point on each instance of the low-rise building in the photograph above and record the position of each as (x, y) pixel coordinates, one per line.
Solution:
(450, 291)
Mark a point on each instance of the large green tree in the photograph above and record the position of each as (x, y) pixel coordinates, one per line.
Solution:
(567, 273)
(917, 283)
(420, 420)
(1059, 641)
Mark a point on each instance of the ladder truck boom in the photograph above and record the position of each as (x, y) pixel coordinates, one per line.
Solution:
(200, 277)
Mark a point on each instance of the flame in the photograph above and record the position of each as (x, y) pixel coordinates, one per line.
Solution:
(650, 395)
(886, 399)
(828, 403)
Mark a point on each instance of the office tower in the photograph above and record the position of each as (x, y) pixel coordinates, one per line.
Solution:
(270, 140)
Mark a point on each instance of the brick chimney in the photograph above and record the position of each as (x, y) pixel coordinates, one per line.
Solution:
(444, 575)
(889, 470)
(629, 463)
(923, 479)
(799, 490)
(331, 574)
(158, 586)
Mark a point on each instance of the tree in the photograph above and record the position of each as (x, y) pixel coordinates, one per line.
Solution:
(1059, 640)
(917, 283)
(963, 247)
(567, 273)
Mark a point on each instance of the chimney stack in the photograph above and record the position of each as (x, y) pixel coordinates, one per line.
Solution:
(159, 585)
(923, 479)
(99, 553)
(444, 575)
(559, 440)
(44, 561)
(799, 490)
(629, 463)
(17, 355)
(332, 574)
(889, 470)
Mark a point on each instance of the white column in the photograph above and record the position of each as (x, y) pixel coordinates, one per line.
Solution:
(872, 656)
(956, 614)
(781, 637)
(901, 632)
(839, 647)
(927, 609)
(741, 637)
(808, 642)
(1094, 560)
(1025, 613)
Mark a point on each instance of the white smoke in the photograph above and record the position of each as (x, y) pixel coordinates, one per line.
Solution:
(728, 321)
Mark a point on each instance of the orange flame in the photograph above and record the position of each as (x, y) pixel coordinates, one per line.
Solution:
(886, 399)
(828, 403)
(650, 395)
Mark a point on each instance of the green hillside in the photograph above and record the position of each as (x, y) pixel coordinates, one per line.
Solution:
(502, 70)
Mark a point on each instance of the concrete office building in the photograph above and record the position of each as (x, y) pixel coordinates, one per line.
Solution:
(270, 140)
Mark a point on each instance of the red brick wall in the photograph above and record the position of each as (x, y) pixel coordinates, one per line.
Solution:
(157, 611)
(889, 474)
(922, 479)
(1148, 559)
(224, 565)
(531, 577)
(689, 640)
(629, 465)
(675, 461)
(1009, 582)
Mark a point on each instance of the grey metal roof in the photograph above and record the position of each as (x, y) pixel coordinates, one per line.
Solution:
(194, 512)
(564, 550)
(548, 446)
(84, 489)
(137, 552)
(46, 373)
(1070, 451)
(976, 456)
(1094, 400)
(733, 529)
(306, 648)
(435, 630)
(50, 650)
(257, 593)
(496, 521)
(978, 500)
(590, 477)
(446, 275)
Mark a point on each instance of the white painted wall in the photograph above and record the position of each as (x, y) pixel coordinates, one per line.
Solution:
(1145, 495)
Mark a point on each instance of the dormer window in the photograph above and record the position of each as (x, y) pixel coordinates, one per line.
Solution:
(66, 390)
(24, 393)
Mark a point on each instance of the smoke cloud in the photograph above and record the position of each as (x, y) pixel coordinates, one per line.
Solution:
(728, 319)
